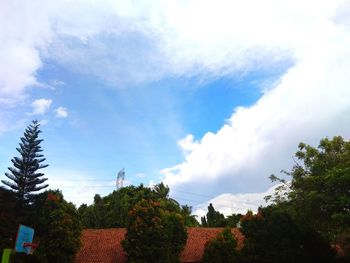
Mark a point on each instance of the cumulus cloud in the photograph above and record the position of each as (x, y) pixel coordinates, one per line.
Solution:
(24, 28)
(234, 203)
(61, 112)
(78, 186)
(124, 42)
(41, 106)
(310, 101)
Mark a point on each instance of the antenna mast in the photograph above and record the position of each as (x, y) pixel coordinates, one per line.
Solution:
(120, 178)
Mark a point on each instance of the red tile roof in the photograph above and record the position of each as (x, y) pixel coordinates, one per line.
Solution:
(104, 245)
(198, 237)
(101, 246)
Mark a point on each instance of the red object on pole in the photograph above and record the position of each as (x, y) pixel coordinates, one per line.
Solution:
(32, 247)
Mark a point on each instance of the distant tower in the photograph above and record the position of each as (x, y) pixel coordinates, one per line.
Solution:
(120, 178)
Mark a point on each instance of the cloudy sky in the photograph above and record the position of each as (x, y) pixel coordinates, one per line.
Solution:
(210, 97)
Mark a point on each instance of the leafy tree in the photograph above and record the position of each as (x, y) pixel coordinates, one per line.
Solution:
(273, 236)
(233, 220)
(154, 233)
(319, 188)
(8, 219)
(57, 228)
(112, 210)
(189, 219)
(204, 222)
(24, 176)
(221, 249)
(213, 218)
(86, 215)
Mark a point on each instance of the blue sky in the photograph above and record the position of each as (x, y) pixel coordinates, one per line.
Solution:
(210, 98)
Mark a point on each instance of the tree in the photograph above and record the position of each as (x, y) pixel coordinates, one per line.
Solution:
(213, 218)
(57, 227)
(24, 176)
(112, 210)
(319, 188)
(154, 233)
(189, 219)
(233, 220)
(8, 220)
(162, 191)
(273, 236)
(221, 249)
(57, 230)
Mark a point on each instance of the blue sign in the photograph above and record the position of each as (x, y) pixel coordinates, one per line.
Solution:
(25, 234)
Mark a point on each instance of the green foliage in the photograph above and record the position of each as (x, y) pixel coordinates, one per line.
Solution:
(272, 236)
(57, 228)
(319, 187)
(233, 220)
(213, 218)
(8, 219)
(24, 178)
(112, 210)
(221, 249)
(154, 233)
(56, 224)
(189, 219)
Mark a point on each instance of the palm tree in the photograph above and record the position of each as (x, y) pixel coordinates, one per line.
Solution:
(162, 191)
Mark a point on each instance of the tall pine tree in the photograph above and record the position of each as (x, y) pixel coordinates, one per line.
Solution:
(24, 175)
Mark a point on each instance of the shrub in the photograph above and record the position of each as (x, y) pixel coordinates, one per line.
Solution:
(272, 236)
(222, 248)
(154, 233)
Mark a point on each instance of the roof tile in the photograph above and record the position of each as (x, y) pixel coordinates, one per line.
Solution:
(104, 245)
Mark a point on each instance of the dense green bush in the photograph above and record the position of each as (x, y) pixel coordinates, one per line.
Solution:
(154, 233)
(222, 249)
(57, 227)
(8, 219)
(272, 236)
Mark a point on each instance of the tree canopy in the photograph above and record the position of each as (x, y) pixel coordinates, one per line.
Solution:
(113, 209)
(320, 186)
(57, 227)
(155, 233)
(273, 236)
(213, 218)
(222, 249)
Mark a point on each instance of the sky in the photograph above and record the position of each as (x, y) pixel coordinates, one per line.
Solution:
(210, 97)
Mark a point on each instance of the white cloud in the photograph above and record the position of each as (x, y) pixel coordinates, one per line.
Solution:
(228, 204)
(61, 112)
(24, 28)
(41, 106)
(311, 101)
(78, 186)
(127, 42)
